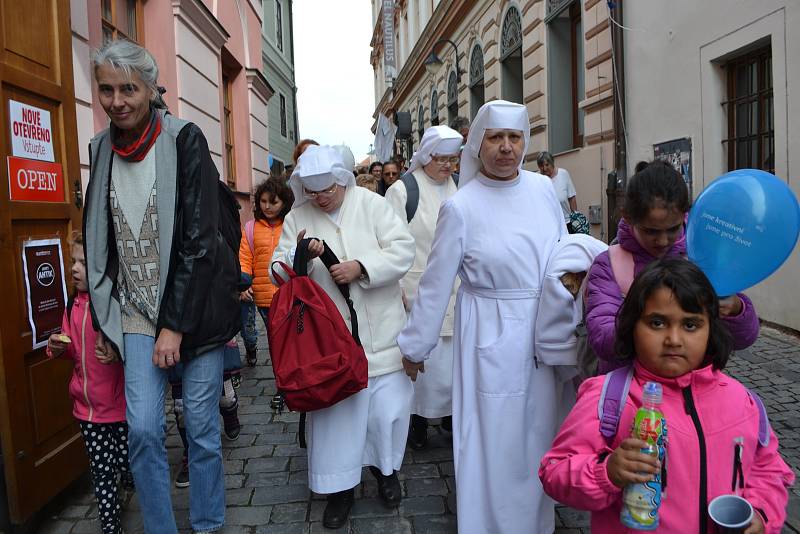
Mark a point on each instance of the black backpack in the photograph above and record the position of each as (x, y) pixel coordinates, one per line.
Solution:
(229, 224)
(412, 190)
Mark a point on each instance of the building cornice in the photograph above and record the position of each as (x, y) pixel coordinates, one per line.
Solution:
(203, 21)
(258, 83)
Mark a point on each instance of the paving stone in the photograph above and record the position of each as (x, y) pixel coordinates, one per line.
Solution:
(289, 513)
(62, 526)
(77, 511)
(234, 481)
(276, 439)
(233, 467)
(317, 528)
(266, 465)
(418, 471)
(255, 480)
(421, 487)
(247, 453)
(395, 525)
(86, 526)
(289, 450)
(431, 524)
(248, 515)
(288, 528)
(371, 508)
(281, 494)
(238, 497)
(413, 506)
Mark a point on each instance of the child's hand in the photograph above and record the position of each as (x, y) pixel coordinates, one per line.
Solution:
(103, 350)
(56, 344)
(757, 526)
(730, 306)
(628, 464)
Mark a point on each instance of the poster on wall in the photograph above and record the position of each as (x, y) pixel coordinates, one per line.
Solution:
(31, 132)
(677, 153)
(45, 287)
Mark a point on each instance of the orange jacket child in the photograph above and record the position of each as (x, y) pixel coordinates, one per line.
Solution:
(259, 240)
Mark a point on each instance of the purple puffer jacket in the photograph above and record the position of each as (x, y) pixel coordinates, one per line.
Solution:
(605, 299)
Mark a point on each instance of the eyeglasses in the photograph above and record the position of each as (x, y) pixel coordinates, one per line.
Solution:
(324, 193)
(442, 160)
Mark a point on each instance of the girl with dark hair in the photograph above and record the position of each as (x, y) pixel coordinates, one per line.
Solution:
(652, 227)
(271, 202)
(670, 331)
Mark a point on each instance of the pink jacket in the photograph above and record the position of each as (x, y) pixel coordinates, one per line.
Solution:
(97, 389)
(573, 472)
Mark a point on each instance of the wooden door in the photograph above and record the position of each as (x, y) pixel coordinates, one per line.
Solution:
(41, 444)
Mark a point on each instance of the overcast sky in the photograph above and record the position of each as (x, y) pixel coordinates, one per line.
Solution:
(335, 94)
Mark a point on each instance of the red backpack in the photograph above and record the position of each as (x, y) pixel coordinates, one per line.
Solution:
(316, 360)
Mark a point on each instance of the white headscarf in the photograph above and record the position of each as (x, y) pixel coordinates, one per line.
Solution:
(318, 168)
(346, 154)
(494, 114)
(436, 140)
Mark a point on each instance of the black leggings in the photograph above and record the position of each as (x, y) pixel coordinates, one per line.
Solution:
(107, 448)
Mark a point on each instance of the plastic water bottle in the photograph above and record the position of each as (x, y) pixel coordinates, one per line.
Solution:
(640, 501)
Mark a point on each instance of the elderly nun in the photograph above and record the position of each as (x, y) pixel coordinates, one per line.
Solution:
(431, 170)
(376, 250)
(496, 234)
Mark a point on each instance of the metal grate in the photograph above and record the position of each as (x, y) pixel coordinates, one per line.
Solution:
(511, 38)
(476, 66)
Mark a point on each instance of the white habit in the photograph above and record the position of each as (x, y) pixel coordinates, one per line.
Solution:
(497, 237)
(433, 388)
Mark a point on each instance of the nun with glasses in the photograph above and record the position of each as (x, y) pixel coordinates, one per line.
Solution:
(375, 250)
(495, 234)
(431, 170)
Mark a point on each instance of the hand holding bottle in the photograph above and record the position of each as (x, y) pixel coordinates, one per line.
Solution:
(628, 464)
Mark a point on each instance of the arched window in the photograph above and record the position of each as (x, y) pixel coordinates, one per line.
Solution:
(476, 97)
(511, 56)
(421, 122)
(434, 108)
(452, 97)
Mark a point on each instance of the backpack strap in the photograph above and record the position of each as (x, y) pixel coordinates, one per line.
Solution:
(763, 420)
(616, 385)
(249, 230)
(622, 265)
(329, 259)
(412, 194)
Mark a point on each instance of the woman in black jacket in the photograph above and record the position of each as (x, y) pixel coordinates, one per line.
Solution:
(162, 279)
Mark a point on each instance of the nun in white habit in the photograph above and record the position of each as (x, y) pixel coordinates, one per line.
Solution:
(375, 250)
(496, 234)
(432, 170)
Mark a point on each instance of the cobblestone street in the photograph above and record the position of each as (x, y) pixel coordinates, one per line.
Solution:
(266, 475)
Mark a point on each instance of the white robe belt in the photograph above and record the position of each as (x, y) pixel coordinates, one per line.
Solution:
(502, 294)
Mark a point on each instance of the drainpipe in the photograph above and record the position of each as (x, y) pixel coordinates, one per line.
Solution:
(617, 180)
(294, 84)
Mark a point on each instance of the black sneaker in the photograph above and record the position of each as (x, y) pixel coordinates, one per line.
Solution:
(389, 489)
(338, 509)
(230, 421)
(182, 480)
(252, 357)
(418, 433)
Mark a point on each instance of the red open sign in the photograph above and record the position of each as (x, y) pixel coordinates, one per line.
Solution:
(35, 181)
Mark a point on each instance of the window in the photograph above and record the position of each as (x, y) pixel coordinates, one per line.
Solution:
(435, 108)
(279, 25)
(476, 97)
(565, 86)
(452, 97)
(511, 56)
(283, 115)
(751, 125)
(121, 19)
(227, 113)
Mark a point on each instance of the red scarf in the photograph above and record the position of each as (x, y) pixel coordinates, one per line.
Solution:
(137, 150)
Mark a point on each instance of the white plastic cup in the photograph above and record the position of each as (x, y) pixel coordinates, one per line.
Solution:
(731, 514)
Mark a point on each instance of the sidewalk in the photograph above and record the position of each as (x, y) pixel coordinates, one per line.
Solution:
(266, 476)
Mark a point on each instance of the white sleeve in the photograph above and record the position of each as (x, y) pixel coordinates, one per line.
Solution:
(397, 196)
(570, 186)
(394, 256)
(421, 333)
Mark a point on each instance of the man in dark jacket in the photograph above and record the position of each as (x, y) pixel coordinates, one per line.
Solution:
(162, 279)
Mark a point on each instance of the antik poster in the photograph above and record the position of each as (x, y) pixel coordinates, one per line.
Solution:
(45, 287)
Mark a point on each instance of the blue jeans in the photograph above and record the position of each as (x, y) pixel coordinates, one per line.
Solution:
(145, 387)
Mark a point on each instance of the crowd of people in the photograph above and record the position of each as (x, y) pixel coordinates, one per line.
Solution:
(445, 262)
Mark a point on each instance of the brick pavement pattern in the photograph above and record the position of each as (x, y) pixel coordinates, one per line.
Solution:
(266, 472)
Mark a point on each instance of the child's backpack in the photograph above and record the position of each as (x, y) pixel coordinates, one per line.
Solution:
(617, 384)
(316, 360)
(249, 231)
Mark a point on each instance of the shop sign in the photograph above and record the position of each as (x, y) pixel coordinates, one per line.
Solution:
(35, 181)
(31, 132)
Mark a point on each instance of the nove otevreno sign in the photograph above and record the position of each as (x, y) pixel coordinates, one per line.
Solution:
(31, 132)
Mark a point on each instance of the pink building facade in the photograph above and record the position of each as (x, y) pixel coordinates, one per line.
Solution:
(210, 61)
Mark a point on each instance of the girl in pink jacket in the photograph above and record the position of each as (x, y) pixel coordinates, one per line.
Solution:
(97, 388)
(669, 329)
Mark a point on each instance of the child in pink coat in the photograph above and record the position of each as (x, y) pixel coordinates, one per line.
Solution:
(669, 328)
(97, 388)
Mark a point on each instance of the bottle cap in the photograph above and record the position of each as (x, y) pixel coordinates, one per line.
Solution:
(652, 393)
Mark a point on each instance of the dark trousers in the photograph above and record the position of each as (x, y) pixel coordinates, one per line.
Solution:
(107, 448)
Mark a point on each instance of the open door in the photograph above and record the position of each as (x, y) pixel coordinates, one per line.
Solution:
(39, 191)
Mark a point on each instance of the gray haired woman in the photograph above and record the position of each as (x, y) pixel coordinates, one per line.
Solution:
(562, 183)
(162, 280)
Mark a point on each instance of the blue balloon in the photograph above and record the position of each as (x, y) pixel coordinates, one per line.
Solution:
(269, 160)
(742, 228)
